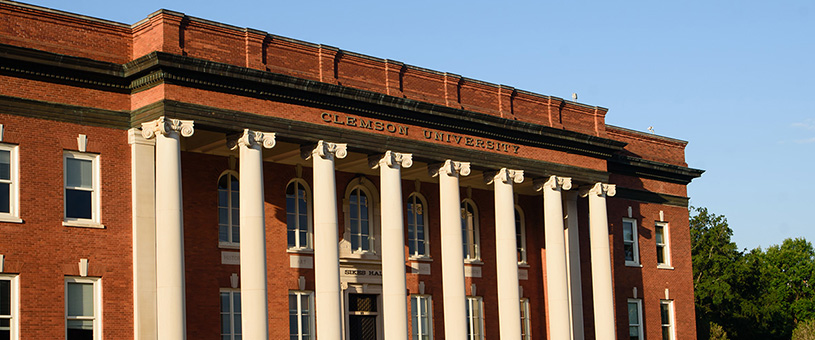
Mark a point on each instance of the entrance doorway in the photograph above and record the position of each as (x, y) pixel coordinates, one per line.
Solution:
(362, 316)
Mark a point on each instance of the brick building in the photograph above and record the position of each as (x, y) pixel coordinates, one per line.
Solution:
(179, 177)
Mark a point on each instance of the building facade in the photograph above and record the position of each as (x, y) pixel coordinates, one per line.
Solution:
(182, 178)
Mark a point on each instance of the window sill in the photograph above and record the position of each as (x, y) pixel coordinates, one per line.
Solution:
(300, 251)
(633, 264)
(473, 262)
(81, 224)
(523, 265)
(421, 258)
(236, 246)
(10, 219)
(665, 266)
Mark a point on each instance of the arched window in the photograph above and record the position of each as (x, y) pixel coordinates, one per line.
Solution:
(417, 225)
(469, 230)
(520, 234)
(298, 215)
(360, 223)
(229, 233)
(361, 212)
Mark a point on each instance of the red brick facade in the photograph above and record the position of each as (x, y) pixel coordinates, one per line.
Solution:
(62, 75)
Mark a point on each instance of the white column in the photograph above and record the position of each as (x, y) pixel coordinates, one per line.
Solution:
(326, 241)
(573, 258)
(452, 255)
(143, 188)
(170, 290)
(394, 289)
(254, 301)
(557, 295)
(506, 253)
(602, 289)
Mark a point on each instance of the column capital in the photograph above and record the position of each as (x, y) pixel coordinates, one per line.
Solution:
(602, 190)
(391, 159)
(251, 138)
(554, 183)
(166, 126)
(325, 150)
(505, 175)
(449, 167)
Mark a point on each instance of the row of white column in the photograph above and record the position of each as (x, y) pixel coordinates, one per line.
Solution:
(171, 323)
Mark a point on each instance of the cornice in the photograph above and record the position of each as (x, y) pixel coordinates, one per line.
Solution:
(651, 197)
(626, 165)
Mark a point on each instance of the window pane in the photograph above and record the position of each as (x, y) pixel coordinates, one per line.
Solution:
(80, 299)
(629, 252)
(236, 197)
(223, 233)
(5, 297)
(5, 195)
(5, 164)
(665, 313)
(78, 204)
(633, 314)
(224, 302)
(634, 332)
(660, 255)
(237, 302)
(226, 325)
(659, 231)
(80, 173)
(628, 231)
(223, 183)
(666, 333)
(236, 234)
(223, 198)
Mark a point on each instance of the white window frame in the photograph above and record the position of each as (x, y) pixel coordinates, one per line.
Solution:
(640, 325)
(14, 188)
(231, 313)
(14, 299)
(476, 257)
(665, 245)
(634, 242)
(520, 234)
(299, 295)
(94, 221)
(671, 318)
(422, 202)
(374, 219)
(526, 325)
(475, 301)
(310, 227)
(229, 243)
(97, 304)
(415, 317)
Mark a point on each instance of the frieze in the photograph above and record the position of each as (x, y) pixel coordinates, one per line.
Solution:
(428, 134)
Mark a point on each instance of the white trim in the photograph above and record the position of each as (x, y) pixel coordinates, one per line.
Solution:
(634, 242)
(310, 295)
(14, 184)
(310, 217)
(97, 304)
(232, 299)
(365, 289)
(471, 331)
(671, 318)
(426, 226)
(229, 243)
(95, 190)
(476, 257)
(640, 325)
(666, 244)
(522, 245)
(14, 324)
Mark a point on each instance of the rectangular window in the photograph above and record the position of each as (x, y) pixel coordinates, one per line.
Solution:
(81, 187)
(421, 317)
(666, 309)
(630, 246)
(83, 308)
(230, 314)
(525, 324)
(475, 318)
(301, 315)
(635, 319)
(8, 308)
(9, 194)
(663, 250)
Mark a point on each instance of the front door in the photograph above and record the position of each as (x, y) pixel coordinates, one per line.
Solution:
(362, 314)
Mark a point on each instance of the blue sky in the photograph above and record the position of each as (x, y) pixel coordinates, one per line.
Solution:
(734, 78)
